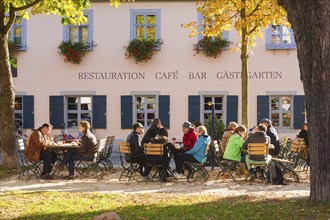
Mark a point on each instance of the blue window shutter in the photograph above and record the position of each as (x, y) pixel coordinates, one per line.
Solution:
(126, 112)
(194, 108)
(164, 110)
(232, 108)
(56, 108)
(262, 107)
(298, 111)
(28, 111)
(99, 111)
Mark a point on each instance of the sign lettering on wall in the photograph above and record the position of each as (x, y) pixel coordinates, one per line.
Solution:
(174, 75)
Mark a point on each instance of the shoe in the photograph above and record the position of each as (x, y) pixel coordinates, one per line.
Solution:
(70, 177)
(46, 176)
(59, 167)
(177, 175)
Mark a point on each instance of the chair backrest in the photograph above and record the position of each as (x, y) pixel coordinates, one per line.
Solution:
(100, 147)
(258, 149)
(206, 153)
(109, 145)
(294, 146)
(216, 146)
(153, 149)
(21, 144)
(124, 147)
(302, 143)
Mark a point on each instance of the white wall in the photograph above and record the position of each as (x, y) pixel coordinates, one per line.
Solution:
(42, 71)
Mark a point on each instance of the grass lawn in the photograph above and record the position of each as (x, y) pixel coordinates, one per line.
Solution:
(72, 205)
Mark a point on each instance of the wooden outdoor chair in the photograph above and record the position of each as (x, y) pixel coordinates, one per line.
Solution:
(95, 164)
(156, 158)
(197, 170)
(261, 150)
(130, 168)
(26, 165)
(106, 162)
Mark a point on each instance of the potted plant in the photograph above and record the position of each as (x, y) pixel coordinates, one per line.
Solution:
(72, 52)
(141, 50)
(211, 46)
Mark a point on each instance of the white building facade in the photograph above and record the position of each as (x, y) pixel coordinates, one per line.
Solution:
(113, 92)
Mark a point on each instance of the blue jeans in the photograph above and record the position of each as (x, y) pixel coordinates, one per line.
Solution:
(72, 155)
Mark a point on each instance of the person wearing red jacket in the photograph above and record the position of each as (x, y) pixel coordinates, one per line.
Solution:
(189, 137)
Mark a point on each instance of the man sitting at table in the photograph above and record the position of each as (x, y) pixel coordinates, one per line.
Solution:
(152, 131)
(162, 138)
(86, 150)
(259, 136)
(137, 151)
(36, 149)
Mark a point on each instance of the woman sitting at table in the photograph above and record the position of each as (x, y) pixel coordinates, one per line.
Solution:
(86, 150)
(162, 138)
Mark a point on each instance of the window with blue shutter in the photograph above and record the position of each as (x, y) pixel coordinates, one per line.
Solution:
(17, 33)
(232, 108)
(24, 111)
(82, 33)
(194, 108)
(28, 111)
(299, 111)
(281, 111)
(201, 26)
(126, 112)
(212, 101)
(262, 107)
(56, 108)
(99, 111)
(164, 110)
(280, 37)
(145, 24)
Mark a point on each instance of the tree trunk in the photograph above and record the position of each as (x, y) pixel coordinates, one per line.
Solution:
(7, 98)
(244, 75)
(310, 20)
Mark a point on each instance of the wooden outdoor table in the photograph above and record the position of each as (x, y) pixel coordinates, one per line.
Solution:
(63, 146)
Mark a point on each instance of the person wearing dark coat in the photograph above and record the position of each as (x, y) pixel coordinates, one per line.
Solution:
(162, 138)
(304, 133)
(86, 151)
(152, 131)
(274, 138)
(137, 151)
(259, 136)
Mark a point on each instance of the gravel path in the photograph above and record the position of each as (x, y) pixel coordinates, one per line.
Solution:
(111, 184)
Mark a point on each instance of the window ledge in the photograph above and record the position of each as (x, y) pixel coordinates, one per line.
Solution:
(281, 46)
(20, 48)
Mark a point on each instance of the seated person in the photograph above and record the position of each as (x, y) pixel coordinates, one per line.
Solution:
(162, 138)
(188, 140)
(259, 136)
(86, 150)
(137, 151)
(36, 149)
(304, 133)
(152, 131)
(274, 138)
(226, 135)
(195, 154)
(234, 146)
